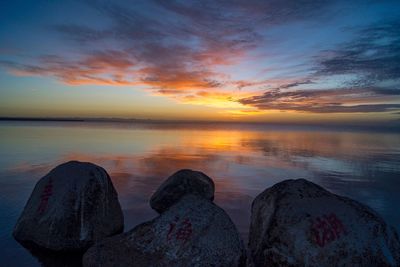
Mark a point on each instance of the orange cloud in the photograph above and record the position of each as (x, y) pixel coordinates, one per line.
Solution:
(170, 77)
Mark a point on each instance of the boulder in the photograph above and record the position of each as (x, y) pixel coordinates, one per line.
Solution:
(298, 223)
(70, 208)
(179, 184)
(193, 232)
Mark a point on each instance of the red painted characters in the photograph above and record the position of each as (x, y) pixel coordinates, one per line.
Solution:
(327, 228)
(44, 197)
(181, 231)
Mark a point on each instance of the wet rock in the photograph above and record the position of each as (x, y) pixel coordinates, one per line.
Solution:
(298, 223)
(70, 208)
(179, 184)
(193, 232)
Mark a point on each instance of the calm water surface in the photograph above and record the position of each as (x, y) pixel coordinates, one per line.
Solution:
(243, 160)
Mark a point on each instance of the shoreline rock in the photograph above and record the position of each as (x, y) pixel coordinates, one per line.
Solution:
(298, 223)
(179, 184)
(190, 231)
(193, 232)
(75, 208)
(70, 208)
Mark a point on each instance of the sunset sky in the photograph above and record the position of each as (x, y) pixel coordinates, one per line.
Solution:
(272, 61)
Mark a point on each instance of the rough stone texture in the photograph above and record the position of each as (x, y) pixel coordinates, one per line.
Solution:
(179, 184)
(70, 208)
(193, 232)
(298, 223)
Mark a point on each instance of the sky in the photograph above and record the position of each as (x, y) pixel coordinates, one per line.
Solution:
(270, 61)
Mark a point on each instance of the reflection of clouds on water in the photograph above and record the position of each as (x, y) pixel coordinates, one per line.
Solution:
(330, 165)
(242, 164)
(139, 176)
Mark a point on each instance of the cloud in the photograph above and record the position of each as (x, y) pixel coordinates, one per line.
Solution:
(374, 55)
(81, 33)
(173, 52)
(270, 12)
(345, 100)
(102, 67)
(296, 83)
(182, 49)
(169, 46)
(372, 60)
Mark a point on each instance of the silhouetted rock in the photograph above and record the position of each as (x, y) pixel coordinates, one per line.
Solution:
(179, 184)
(70, 208)
(193, 232)
(298, 223)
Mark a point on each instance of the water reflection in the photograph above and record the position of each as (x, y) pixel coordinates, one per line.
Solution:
(243, 163)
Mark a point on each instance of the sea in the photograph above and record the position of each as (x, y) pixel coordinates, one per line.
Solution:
(243, 159)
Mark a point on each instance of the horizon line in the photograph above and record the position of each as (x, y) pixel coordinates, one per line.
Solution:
(372, 125)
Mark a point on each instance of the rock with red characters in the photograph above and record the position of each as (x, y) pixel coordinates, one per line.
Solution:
(192, 232)
(70, 208)
(298, 223)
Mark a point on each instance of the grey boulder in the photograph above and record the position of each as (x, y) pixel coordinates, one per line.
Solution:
(298, 223)
(179, 184)
(193, 232)
(71, 208)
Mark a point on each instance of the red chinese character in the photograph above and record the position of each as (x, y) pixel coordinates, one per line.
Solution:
(44, 197)
(320, 231)
(336, 225)
(171, 228)
(185, 231)
(326, 229)
(182, 233)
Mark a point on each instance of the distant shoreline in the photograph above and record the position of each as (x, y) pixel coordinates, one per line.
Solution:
(38, 119)
(393, 126)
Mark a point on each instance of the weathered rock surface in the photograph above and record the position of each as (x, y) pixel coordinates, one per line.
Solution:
(298, 223)
(70, 208)
(179, 184)
(193, 232)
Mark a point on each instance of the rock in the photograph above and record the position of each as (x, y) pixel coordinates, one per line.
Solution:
(193, 232)
(298, 223)
(179, 184)
(70, 208)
